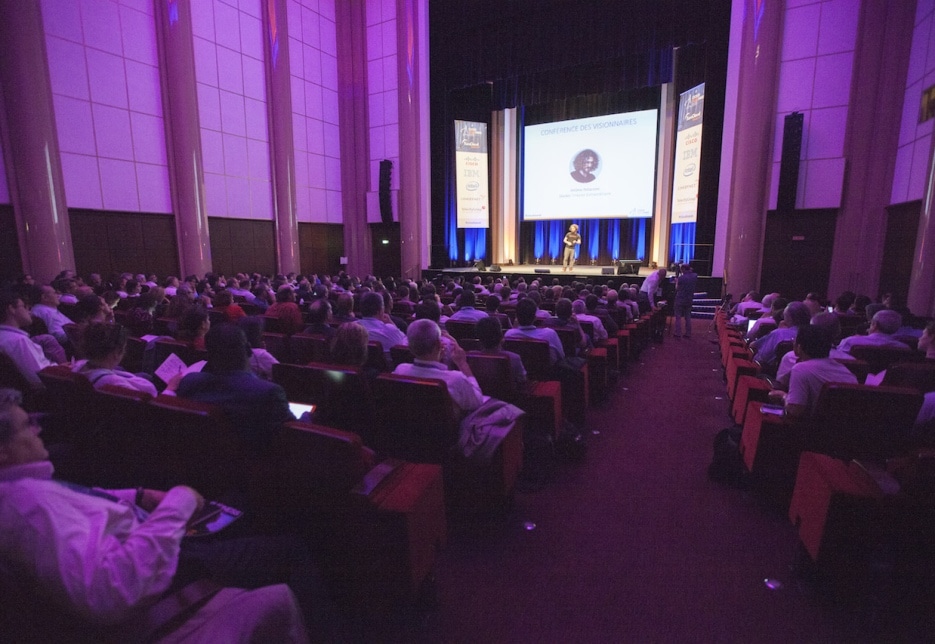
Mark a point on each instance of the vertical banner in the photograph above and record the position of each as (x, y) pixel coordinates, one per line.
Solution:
(687, 156)
(471, 182)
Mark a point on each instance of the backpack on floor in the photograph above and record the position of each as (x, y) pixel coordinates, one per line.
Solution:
(727, 466)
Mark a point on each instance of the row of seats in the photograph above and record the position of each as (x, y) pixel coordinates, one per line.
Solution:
(378, 526)
(834, 473)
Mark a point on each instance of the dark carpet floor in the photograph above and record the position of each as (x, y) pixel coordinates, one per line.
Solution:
(634, 543)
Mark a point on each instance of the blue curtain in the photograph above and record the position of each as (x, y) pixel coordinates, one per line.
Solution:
(613, 238)
(683, 242)
(556, 235)
(592, 231)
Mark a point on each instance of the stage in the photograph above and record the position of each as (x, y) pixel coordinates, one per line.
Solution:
(550, 272)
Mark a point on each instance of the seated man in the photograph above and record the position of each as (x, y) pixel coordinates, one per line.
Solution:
(490, 335)
(286, 310)
(47, 311)
(319, 315)
(882, 327)
(565, 318)
(424, 338)
(812, 370)
(256, 408)
(579, 308)
(15, 342)
(378, 324)
(795, 315)
(104, 346)
(492, 306)
(466, 311)
(106, 557)
(527, 330)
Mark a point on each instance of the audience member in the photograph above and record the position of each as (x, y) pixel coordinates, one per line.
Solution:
(193, 327)
(349, 345)
(106, 556)
(224, 303)
(527, 329)
(882, 327)
(256, 408)
(795, 315)
(378, 324)
(466, 311)
(46, 309)
(490, 336)
(812, 370)
(319, 315)
(286, 311)
(15, 342)
(104, 346)
(424, 338)
(262, 361)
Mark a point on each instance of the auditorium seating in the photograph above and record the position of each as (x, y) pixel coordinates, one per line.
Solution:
(850, 421)
(341, 394)
(308, 347)
(427, 431)
(880, 358)
(575, 387)
(541, 400)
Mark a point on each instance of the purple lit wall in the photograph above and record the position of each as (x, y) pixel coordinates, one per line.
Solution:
(815, 78)
(915, 139)
(383, 106)
(228, 44)
(314, 70)
(105, 82)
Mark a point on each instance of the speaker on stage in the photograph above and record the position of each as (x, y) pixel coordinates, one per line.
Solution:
(542, 270)
(386, 201)
(479, 265)
(495, 268)
(607, 270)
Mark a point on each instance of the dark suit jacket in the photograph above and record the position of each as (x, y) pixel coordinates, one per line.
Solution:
(255, 407)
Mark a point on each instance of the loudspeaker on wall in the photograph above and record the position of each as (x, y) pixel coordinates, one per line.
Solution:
(386, 201)
(789, 162)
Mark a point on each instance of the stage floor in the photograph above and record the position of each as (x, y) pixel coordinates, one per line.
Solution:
(713, 286)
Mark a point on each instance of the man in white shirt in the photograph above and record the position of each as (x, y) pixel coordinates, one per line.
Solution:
(15, 342)
(882, 327)
(466, 311)
(106, 555)
(812, 370)
(527, 329)
(379, 326)
(47, 311)
(651, 285)
(424, 337)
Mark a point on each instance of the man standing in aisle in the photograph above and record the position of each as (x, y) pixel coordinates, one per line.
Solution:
(684, 296)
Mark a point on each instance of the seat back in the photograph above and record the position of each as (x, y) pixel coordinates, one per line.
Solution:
(863, 421)
(459, 329)
(341, 394)
(376, 358)
(535, 356)
(68, 395)
(916, 375)
(880, 358)
(423, 432)
(313, 462)
(133, 356)
(184, 442)
(569, 338)
(278, 345)
(309, 347)
(401, 353)
(11, 377)
(493, 374)
(272, 324)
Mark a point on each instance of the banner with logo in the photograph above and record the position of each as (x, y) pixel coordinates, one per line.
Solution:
(687, 156)
(471, 182)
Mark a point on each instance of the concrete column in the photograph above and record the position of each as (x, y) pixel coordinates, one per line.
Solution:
(183, 134)
(281, 141)
(33, 163)
(355, 150)
(414, 190)
(761, 46)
